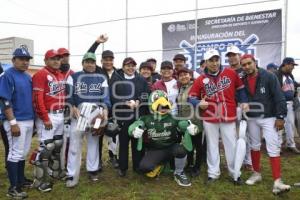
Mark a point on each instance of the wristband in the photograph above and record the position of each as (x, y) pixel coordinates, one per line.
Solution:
(13, 122)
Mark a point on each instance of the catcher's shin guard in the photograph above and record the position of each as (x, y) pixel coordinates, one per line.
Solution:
(40, 172)
(55, 161)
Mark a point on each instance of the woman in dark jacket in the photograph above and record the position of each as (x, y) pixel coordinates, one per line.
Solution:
(129, 94)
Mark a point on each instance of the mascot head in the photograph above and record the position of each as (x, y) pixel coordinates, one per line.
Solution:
(159, 103)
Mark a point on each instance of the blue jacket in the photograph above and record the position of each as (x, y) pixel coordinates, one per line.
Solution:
(269, 94)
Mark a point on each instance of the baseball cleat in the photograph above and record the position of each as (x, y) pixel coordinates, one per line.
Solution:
(280, 187)
(16, 193)
(254, 178)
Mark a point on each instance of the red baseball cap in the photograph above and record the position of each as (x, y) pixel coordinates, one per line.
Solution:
(245, 56)
(63, 51)
(51, 53)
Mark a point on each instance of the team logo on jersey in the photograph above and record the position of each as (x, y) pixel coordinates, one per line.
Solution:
(211, 88)
(56, 87)
(262, 90)
(81, 87)
(95, 87)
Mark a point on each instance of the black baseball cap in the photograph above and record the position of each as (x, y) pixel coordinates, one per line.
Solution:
(288, 60)
(108, 53)
(166, 64)
(151, 60)
(129, 60)
(179, 57)
(146, 65)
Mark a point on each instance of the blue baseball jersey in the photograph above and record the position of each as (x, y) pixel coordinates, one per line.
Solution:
(16, 87)
(88, 87)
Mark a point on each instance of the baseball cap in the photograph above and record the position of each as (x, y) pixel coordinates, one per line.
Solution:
(289, 60)
(146, 65)
(89, 55)
(129, 60)
(245, 56)
(63, 51)
(21, 52)
(108, 53)
(272, 66)
(184, 70)
(210, 53)
(166, 64)
(51, 53)
(233, 49)
(179, 57)
(151, 60)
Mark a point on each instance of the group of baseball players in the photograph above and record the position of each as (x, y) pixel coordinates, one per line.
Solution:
(63, 107)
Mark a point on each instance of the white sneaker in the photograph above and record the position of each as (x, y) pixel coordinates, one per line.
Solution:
(255, 177)
(279, 187)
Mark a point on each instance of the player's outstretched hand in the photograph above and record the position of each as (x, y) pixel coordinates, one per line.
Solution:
(15, 130)
(102, 38)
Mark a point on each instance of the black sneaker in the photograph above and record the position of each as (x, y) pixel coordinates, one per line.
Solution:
(239, 181)
(27, 183)
(45, 187)
(122, 173)
(211, 180)
(114, 162)
(195, 172)
(16, 193)
(93, 176)
(182, 179)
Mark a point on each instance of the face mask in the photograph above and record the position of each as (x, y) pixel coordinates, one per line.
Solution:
(64, 67)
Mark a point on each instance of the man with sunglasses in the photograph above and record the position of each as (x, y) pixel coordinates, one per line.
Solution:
(48, 99)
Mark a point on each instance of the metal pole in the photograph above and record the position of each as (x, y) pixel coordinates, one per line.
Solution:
(285, 26)
(68, 13)
(196, 36)
(126, 30)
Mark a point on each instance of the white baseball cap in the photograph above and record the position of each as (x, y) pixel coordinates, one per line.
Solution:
(210, 53)
(233, 49)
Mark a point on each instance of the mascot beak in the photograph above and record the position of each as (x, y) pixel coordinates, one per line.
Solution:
(161, 104)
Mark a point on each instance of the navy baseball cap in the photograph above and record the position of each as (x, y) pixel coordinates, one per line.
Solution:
(21, 53)
(272, 66)
(288, 60)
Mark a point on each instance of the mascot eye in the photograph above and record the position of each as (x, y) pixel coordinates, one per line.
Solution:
(156, 96)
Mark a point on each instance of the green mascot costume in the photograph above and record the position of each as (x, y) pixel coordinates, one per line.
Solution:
(159, 133)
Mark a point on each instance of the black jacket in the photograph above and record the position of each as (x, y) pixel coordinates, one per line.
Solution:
(123, 90)
(268, 93)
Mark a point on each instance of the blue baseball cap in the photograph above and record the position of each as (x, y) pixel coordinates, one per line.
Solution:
(272, 66)
(288, 60)
(21, 52)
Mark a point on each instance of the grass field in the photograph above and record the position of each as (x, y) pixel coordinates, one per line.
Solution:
(135, 186)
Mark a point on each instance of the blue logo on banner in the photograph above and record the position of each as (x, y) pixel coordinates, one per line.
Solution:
(246, 46)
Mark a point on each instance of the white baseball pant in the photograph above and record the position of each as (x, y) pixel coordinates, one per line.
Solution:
(57, 124)
(289, 125)
(247, 159)
(75, 151)
(19, 146)
(272, 137)
(229, 138)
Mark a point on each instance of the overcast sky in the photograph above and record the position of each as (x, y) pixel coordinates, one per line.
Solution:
(143, 33)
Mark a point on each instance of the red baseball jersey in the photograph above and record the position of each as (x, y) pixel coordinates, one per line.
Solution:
(48, 91)
(220, 94)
